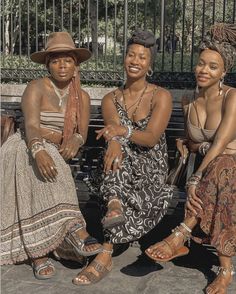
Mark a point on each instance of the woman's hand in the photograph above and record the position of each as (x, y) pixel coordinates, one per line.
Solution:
(46, 165)
(111, 131)
(113, 157)
(69, 149)
(194, 203)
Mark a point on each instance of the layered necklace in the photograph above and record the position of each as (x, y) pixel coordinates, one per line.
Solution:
(61, 93)
(138, 102)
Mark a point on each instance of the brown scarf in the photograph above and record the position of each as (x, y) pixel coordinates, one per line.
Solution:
(73, 108)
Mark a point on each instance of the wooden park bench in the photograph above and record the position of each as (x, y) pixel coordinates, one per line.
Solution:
(87, 161)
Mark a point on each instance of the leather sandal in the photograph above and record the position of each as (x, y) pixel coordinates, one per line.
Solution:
(80, 244)
(116, 220)
(67, 252)
(175, 252)
(91, 277)
(44, 265)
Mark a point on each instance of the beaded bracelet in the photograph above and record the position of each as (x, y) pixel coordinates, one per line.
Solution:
(194, 179)
(37, 139)
(36, 147)
(203, 148)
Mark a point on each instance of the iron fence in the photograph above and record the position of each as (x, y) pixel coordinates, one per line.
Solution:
(104, 27)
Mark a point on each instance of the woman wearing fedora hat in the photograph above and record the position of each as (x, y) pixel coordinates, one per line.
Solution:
(38, 191)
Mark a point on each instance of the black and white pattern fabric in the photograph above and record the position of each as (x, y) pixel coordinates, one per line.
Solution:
(140, 184)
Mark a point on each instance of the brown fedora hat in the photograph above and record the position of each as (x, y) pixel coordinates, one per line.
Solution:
(60, 42)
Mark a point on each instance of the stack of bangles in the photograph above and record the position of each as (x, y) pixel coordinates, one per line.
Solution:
(124, 139)
(194, 179)
(36, 146)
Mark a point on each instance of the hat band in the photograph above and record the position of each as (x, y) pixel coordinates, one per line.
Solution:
(60, 47)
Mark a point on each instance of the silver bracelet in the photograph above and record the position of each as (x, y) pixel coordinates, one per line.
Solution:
(36, 147)
(129, 131)
(203, 148)
(121, 140)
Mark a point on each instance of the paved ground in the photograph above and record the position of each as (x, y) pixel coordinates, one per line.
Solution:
(132, 273)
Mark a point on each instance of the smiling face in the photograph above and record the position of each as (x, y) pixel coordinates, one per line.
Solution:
(210, 68)
(61, 67)
(137, 61)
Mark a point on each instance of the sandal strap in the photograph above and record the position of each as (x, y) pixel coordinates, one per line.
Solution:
(173, 249)
(76, 227)
(107, 251)
(42, 266)
(90, 241)
(92, 278)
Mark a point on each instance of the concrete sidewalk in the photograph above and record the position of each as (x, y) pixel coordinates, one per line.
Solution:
(132, 273)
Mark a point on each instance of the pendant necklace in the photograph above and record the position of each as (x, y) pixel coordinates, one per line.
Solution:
(58, 92)
(138, 101)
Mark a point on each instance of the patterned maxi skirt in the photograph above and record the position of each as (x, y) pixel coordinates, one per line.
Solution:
(217, 190)
(35, 215)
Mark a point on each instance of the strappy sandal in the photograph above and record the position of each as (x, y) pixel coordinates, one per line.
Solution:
(221, 271)
(91, 277)
(80, 244)
(42, 266)
(116, 220)
(66, 251)
(175, 252)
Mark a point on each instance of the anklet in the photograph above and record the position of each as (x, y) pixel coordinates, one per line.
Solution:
(186, 236)
(186, 227)
(224, 270)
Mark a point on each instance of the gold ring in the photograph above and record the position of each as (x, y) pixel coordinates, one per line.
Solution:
(51, 167)
(106, 132)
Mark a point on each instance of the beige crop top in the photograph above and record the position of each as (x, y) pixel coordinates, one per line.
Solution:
(198, 134)
(52, 120)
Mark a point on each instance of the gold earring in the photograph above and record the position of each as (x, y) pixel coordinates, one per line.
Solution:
(221, 86)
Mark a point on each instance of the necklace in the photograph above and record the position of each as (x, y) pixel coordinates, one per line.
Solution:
(58, 92)
(138, 101)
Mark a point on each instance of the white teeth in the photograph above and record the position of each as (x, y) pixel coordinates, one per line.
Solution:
(134, 68)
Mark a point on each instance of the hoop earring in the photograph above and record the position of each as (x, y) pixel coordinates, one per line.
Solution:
(221, 86)
(197, 90)
(150, 72)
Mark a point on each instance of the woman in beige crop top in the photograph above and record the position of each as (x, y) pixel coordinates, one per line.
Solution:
(40, 199)
(211, 190)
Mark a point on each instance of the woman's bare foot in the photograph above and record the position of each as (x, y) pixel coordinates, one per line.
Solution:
(221, 282)
(97, 269)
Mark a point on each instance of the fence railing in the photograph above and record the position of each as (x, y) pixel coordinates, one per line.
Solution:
(104, 26)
